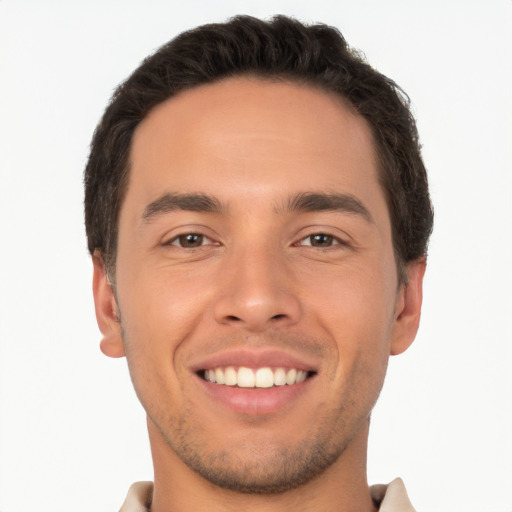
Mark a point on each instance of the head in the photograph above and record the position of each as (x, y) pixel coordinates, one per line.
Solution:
(257, 210)
(282, 49)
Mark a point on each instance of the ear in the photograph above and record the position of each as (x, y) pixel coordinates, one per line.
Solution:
(107, 314)
(408, 308)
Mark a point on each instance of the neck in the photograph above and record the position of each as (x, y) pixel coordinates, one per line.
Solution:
(342, 487)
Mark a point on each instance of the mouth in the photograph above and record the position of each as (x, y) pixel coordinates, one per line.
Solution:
(264, 377)
(256, 382)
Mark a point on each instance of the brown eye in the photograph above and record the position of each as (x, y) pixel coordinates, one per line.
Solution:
(319, 240)
(189, 241)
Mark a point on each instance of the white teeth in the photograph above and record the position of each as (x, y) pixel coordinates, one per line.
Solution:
(291, 376)
(245, 378)
(261, 378)
(264, 378)
(301, 376)
(280, 377)
(230, 377)
(219, 376)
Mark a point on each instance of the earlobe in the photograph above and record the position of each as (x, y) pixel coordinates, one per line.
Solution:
(107, 314)
(408, 308)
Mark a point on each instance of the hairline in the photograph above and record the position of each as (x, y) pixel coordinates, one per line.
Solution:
(289, 78)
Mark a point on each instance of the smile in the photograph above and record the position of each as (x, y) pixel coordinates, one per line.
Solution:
(265, 377)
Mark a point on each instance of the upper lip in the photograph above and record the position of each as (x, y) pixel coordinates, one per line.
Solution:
(251, 358)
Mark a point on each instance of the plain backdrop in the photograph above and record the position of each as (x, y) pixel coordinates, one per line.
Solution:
(72, 434)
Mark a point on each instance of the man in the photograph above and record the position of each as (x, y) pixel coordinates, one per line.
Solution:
(258, 215)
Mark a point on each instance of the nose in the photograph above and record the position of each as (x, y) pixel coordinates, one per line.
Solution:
(257, 292)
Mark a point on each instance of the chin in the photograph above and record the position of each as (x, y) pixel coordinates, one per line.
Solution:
(261, 466)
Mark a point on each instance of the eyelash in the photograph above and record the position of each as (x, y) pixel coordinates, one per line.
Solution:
(333, 240)
(181, 241)
(178, 240)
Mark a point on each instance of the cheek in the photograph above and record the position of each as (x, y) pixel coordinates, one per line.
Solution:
(158, 315)
(360, 301)
(355, 309)
(162, 303)
(361, 326)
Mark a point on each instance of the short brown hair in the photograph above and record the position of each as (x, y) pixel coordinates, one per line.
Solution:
(281, 48)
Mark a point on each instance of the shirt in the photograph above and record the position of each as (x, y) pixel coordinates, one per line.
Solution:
(390, 498)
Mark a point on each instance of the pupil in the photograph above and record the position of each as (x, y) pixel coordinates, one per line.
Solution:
(191, 240)
(321, 239)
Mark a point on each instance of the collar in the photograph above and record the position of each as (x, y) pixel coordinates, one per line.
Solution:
(392, 497)
(389, 498)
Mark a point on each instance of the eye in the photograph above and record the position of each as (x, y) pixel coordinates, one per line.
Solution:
(320, 240)
(189, 241)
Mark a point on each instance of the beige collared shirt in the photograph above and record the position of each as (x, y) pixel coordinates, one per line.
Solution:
(392, 497)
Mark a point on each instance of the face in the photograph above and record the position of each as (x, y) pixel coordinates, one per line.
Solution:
(256, 285)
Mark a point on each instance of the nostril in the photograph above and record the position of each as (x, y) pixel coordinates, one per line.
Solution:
(233, 318)
(278, 317)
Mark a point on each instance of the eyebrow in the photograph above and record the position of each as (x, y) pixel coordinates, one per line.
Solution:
(321, 202)
(303, 202)
(192, 202)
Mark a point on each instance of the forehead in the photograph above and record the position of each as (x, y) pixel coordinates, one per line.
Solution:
(251, 136)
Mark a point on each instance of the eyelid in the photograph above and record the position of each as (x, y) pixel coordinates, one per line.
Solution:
(172, 236)
(336, 240)
(174, 241)
(340, 238)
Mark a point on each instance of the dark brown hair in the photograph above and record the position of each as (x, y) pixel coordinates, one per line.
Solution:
(283, 49)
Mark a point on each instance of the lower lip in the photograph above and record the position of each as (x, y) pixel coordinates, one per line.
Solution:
(255, 401)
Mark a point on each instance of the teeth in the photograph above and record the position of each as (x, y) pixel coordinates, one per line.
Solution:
(301, 376)
(291, 376)
(264, 378)
(230, 377)
(261, 378)
(245, 378)
(279, 377)
(219, 376)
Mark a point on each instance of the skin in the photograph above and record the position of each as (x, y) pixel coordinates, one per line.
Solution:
(256, 281)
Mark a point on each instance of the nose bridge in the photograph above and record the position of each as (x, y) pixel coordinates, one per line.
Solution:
(256, 293)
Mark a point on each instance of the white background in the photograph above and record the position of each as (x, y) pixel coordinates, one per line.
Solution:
(72, 433)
